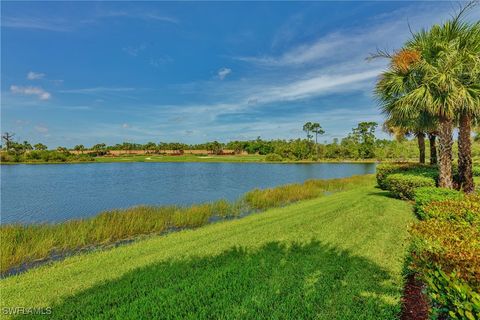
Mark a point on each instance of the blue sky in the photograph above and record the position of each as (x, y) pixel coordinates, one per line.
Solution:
(90, 72)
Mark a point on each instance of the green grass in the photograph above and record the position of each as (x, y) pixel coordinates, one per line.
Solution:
(24, 244)
(334, 257)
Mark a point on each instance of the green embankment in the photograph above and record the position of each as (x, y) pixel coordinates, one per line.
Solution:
(335, 257)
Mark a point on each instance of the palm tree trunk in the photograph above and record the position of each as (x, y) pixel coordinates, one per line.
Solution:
(433, 148)
(421, 146)
(465, 173)
(445, 135)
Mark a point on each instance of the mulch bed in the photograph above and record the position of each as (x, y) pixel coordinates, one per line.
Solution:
(414, 301)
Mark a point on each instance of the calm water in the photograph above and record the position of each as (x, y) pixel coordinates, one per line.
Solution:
(41, 193)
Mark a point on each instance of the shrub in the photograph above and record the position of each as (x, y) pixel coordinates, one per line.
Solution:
(465, 210)
(476, 171)
(273, 157)
(425, 195)
(403, 186)
(384, 170)
(446, 255)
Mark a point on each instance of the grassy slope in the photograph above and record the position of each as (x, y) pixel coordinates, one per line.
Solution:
(336, 257)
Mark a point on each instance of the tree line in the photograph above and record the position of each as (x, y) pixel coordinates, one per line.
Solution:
(360, 143)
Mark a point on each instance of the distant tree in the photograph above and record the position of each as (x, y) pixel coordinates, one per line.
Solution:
(40, 146)
(8, 138)
(317, 130)
(237, 146)
(308, 127)
(62, 149)
(215, 146)
(364, 136)
(150, 146)
(79, 147)
(27, 145)
(99, 147)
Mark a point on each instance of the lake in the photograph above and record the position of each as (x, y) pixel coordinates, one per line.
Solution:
(57, 192)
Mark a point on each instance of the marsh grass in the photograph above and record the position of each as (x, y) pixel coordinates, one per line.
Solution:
(283, 195)
(22, 245)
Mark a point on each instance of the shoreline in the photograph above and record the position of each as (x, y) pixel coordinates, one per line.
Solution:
(217, 159)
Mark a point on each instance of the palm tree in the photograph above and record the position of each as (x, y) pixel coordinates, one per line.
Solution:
(432, 137)
(317, 130)
(420, 126)
(307, 127)
(429, 75)
(468, 46)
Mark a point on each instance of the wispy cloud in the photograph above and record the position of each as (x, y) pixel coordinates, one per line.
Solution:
(159, 61)
(97, 90)
(36, 91)
(41, 129)
(223, 73)
(48, 23)
(306, 53)
(134, 51)
(35, 75)
(317, 85)
(386, 30)
(37, 23)
(139, 15)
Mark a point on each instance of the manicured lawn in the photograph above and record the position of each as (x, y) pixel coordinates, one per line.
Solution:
(335, 257)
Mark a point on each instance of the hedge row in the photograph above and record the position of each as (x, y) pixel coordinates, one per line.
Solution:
(384, 170)
(403, 185)
(446, 251)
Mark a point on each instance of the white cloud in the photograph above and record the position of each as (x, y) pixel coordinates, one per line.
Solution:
(125, 126)
(223, 73)
(37, 91)
(385, 30)
(35, 23)
(41, 129)
(306, 53)
(317, 85)
(159, 61)
(134, 51)
(35, 75)
(139, 15)
(97, 90)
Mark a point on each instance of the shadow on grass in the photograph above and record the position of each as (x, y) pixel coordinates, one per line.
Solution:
(298, 281)
(382, 193)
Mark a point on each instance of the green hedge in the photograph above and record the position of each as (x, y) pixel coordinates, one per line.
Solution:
(423, 196)
(273, 157)
(446, 256)
(384, 170)
(446, 251)
(465, 210)
(403, 185)
(476, 171)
